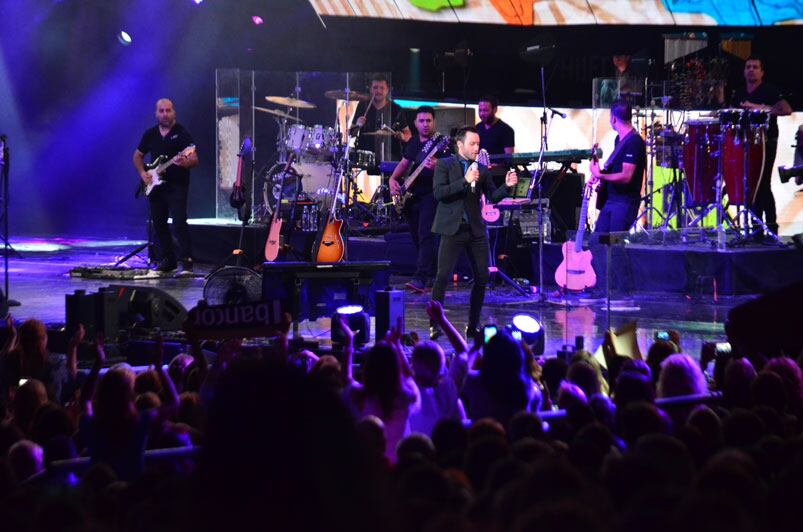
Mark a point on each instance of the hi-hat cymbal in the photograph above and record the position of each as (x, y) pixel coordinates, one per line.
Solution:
(278, 113)
(339, 94)
(290, 102)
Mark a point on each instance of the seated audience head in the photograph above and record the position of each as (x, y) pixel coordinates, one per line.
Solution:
(178, 369)
(50, 421)
(382, 376)
(792, 377)
(428, 363)
(525, 424)
(767, 389)
(584, 376)
(640, 418)
(416, 447)
(147, 381)
(28, 398)
(681, 375)
(658, 352)
(503, 373)
(326, 371)
(632, 386)
(554, 372)
(450, 438)
(32, 346)
(371, 434)
(26, 459)
(739, 374)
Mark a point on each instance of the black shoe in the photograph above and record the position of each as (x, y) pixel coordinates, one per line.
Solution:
(186, 268)
(417, 285)
(471, 333)
(167, 266)
(435, 332)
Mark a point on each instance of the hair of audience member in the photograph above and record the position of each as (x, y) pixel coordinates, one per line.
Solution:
(670, 455)
(51, 420)
(416, 447)
(739, 374)
(486, 426)
(147, 381)
(732, 473)
(583, 375)
(481, 455)
(326, 371)
(710, 512)
(604, 410)
(371, 433)
(659, 351)
(26, 459)
(638, 366)
(525, 424)
(530, 451)
(503, 373)
(59, 448)
(590, 445)
(792, 377)
(708, 424)
(681, 375)
(632, 386)
(178, 369)
(450, 438)
(428, 363)
(742, 428)
(147, 401)
(768, 389)
(639, 418)
(382, 377)
(114, 408)
(423, 491)
(569, 395)
(27, 400)
(190, 411)
(10, 433)
(32, 347)
(564, 515)
(554, 372)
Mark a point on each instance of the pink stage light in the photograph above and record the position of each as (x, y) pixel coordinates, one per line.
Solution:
(257, 20)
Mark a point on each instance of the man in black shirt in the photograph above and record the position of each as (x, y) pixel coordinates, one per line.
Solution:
(420, 208)
(169, 199)
(496, 137)
(378, 114)
(621, 181)
(756, 94)
(458, 184)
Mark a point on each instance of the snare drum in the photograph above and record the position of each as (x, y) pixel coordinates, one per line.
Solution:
(296, 138)
(363, 159)
(700, 161)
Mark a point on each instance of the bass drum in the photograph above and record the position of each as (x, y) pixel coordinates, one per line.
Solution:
(699, 160)
(316, 178)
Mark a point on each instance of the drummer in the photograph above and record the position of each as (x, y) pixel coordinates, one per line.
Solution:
(380, 124)
(760, 95)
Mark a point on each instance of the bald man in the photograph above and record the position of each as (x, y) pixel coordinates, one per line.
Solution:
(169, 138)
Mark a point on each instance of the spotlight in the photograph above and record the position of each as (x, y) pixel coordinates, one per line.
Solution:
(196, 2)
(531, 331)
(257, 20)
(124, 38)
(358, 321)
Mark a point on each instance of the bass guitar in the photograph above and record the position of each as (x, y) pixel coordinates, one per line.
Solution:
(272, 244)
(440, 143)
(575, 271)
(159, 166)
(238, 198)
(329, 245)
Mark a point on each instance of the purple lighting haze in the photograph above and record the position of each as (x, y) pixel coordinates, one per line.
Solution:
(257, 20)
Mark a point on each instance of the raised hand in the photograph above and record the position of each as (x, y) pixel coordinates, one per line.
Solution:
(78, 336)
(435, 311)
(511, 178)
(100, 349)
(348, 334)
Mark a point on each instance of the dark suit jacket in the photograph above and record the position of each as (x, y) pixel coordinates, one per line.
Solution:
(454, 197)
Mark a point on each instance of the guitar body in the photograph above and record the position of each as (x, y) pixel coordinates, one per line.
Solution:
(155, 177)
(274, 238)
(575, 271)
(489, 213)
(331, 248)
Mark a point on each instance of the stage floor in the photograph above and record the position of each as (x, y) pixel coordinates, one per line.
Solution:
(40, 279)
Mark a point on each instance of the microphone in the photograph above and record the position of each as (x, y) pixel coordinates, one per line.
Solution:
(471, 169)
(556, 112)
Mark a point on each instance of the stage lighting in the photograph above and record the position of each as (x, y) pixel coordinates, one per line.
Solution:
(531, 331)
(196, 2)
(257, 20)
(358, 321)
(124, 38)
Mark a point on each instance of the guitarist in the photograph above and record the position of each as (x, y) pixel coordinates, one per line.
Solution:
(458, 184)
(168, 138)
(621, 182)
(420, 208)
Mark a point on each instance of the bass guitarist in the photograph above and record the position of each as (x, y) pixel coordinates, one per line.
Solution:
(621, 181)
(420, 207)
(168, 138)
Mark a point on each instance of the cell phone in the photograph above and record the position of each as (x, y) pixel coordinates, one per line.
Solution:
(516, 334)
(21, 382)
(662, 335)
(489, 331)
(723, 348)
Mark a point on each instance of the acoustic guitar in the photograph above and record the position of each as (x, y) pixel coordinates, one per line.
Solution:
(575, 271)
(489, 212)
(329, 245)
(273, 243)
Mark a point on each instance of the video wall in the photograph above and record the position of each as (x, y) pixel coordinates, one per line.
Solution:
(574, 12)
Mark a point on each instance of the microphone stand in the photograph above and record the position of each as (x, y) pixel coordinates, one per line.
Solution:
(537, 181)
(4, 170)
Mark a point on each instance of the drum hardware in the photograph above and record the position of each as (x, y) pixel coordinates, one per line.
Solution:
(276, 112)
(294, 103)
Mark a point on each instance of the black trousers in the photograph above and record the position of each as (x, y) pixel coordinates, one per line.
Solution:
(420, 210)
(765, 201)
(477, 249)
(170, 201)
(617, 215)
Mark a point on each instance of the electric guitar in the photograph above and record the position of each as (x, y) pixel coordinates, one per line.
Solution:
(489, 212)
(157, 167)
(575, 271)
(272, 244)
(329, 246)
(237, 196)
(438, 143)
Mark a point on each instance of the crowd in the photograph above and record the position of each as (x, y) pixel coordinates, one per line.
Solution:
(413, 438)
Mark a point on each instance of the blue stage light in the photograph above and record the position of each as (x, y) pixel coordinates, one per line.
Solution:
(358, 321)
(532, 332)
(124, 38)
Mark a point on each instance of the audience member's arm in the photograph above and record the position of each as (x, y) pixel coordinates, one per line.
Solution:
(281, 349)
(72, 350)
(435, 313)
(393, 338)
(11, 341)
(225, 354)
(346, 369)
(91, 384)
(169, 394)
(197, 353)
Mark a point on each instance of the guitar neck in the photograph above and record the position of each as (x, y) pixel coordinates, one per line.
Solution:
(581, 224)
(410, 180)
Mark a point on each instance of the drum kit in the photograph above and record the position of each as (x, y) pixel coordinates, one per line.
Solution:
(721, 152)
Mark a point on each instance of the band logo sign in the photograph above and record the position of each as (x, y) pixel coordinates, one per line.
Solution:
(241, 320)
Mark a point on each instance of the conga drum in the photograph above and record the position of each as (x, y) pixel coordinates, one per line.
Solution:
(743, 131)
(699, 160)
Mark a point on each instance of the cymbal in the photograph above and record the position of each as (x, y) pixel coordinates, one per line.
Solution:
(290, 102)
(278, 113)
(339, 94)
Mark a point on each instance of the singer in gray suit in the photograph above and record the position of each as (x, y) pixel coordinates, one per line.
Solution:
(458, 184)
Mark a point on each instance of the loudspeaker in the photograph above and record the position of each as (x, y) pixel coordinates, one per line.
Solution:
(389, 307)
(149, 307)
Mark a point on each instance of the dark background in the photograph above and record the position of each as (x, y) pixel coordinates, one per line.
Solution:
(74, 102)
